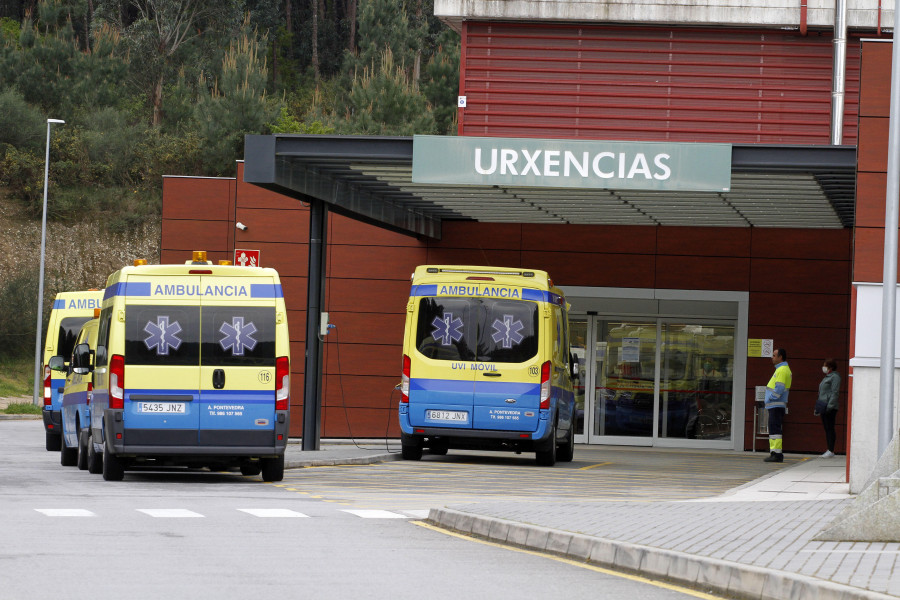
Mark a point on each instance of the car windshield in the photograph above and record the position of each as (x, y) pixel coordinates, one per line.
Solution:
(477, 329)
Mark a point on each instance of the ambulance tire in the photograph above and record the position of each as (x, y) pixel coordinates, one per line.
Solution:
(52, 441)
(249, 469)
(94, 460)
(566, 452)
(272, 468)
(546, 456)
(68, 457)
(82, 450)
(113, 466)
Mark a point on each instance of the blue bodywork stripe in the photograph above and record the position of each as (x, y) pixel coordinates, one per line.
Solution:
(424, 290)
(452, 385)
(266, 290)
(143, 288)
(59, 304)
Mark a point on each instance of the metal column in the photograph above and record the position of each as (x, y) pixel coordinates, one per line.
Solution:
(315, 300)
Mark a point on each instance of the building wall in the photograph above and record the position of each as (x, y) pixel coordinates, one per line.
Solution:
(797, 280)
(617, 82)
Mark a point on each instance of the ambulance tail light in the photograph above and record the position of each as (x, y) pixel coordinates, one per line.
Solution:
(117, 381)
(48, 399)
(90, 393)
(282, 383)
(545, 385)
(404, 380)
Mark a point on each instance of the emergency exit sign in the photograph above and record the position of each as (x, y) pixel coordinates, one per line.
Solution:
(246, 258)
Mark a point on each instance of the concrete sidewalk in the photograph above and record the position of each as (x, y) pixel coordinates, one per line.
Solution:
(751, 542)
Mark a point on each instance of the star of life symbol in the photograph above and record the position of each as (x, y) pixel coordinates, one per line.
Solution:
(447, 330)
(506, 332)
(163, 335)
(237, 336)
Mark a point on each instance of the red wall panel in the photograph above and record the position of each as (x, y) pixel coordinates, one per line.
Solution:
(651, 83)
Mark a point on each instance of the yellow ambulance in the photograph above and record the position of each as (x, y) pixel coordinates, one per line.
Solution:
(70, 311)
(192, 368)
(76, 398)
(486, 363)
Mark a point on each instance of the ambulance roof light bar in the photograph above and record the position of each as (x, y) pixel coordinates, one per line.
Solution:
(477, 272)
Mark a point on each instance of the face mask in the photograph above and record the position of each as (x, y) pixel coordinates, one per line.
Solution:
(825, 370)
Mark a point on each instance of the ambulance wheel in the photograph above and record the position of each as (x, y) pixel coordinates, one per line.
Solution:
(94, 460)
(546, 457)
(82, 450)
(68, 457)
(566, 452)
(250, 469)
(52, 441)
(113, 466)
(272, 468)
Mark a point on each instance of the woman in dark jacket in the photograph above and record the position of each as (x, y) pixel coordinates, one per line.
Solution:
(828, 397)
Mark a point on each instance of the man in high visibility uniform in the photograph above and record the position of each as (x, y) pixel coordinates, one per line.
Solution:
(777, 391)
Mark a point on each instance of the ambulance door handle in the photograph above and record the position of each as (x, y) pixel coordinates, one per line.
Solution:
(492, 374)
(218, 379)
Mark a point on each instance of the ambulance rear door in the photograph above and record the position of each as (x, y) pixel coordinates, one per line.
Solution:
(508, 367)
(162, 360)
(237, 356)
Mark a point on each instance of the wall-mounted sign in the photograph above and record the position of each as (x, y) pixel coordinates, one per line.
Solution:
(662, 166)
(246, 258)
(760, 348)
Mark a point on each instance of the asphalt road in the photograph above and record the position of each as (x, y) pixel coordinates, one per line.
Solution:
(66, 534)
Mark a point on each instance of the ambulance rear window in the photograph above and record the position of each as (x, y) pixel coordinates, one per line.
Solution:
(68, 333)
(167, 335)
(238, 336)
(477, 329)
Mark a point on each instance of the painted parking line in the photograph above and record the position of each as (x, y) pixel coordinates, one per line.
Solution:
(374, 514)
(65, 512)
(170, 513)
(274, 513)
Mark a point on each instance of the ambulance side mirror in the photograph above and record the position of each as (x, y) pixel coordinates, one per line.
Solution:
(81, 359)
(57, 363)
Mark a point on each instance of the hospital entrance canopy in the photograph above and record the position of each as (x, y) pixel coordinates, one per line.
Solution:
(413, 184)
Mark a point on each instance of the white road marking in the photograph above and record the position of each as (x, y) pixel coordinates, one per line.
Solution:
(273, 513)
(65, 512)
(418, 514)
(169, 513)
(375, 514)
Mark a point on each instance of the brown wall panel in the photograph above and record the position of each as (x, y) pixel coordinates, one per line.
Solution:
(601, 270)
(871, 152)
(365, 359)
(868, 254)
(806, 276)
(481, 257)
(290, 260)
(297, 324)
(388, 296)
(365, 328)
(344, 230)
(196, 235)
(288, 226)
(359, 423)
(626, 239)
(704, 241)
(203, 199)
(253, 196)
(875, 79)
(807, 342)
(831, 244)
(702, 272)
(467, 234)
(801, 310)
(373, 262)
(353, 391)
(871, 194)
(294, 290)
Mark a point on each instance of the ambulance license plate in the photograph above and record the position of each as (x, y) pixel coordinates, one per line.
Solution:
(162, 407)
(455, 416)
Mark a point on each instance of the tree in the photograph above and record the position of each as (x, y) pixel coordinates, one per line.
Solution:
(162, 34)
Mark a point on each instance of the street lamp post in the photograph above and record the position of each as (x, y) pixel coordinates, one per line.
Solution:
(38, 360)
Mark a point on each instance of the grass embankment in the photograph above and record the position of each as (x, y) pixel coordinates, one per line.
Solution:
(17, 379)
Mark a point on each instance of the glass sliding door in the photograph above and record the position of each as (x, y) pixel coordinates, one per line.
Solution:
(578, 334)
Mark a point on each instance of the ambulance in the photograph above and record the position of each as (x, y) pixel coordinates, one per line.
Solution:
(76, 398)
(70, 311)
(192, 369)
(486, 364)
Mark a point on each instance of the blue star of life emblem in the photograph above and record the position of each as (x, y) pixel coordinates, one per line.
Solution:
(447, 330)
(507, 331)
(163, 335)
(237, 336)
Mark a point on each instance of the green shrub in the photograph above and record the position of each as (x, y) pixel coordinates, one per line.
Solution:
(18, 301)
(21, 125)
